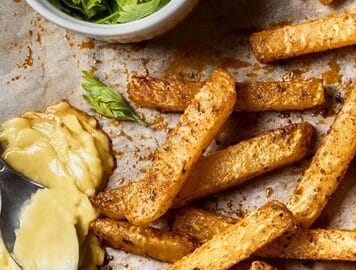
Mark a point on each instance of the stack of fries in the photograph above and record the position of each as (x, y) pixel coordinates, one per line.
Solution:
(202, 240)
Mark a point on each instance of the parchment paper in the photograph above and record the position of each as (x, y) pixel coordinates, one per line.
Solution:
(41, 63)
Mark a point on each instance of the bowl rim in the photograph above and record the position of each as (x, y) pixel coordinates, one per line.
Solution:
(53, 14)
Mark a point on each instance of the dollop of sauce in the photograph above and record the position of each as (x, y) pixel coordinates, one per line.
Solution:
(63, 149)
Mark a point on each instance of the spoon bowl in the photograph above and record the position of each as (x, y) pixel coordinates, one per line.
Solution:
(16, 191)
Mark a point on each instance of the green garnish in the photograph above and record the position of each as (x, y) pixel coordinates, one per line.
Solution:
(106, 101)
(109, 11)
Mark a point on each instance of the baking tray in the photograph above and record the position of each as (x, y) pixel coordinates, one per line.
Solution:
(41, 64)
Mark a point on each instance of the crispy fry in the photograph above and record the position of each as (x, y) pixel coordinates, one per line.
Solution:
(200, 224)
(155, 243)
(202, 119)
(236, 164)
(112, 203)
(315, 244)
(328, 165)
(228, 167)
(193, 223)
(175, 95)
(260, 265)
(236, 242)
(309, 37)
(280, 96)
(165, 94)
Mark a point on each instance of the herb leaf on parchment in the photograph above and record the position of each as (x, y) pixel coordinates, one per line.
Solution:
(106, 101)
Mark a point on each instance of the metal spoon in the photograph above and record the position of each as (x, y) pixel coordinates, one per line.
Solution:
(15, 189)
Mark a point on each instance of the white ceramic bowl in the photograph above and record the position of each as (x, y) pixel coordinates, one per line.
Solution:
(151, 26)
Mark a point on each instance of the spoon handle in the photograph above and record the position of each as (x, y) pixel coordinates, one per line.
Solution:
(2, 165)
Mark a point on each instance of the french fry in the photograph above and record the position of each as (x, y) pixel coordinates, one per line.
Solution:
(166, 94)
(296, 94)
(202, 119)
(192, 223)
(146, 241)
(260, 265)
(246, 160)
(309, 37)
(112, 203)
(228, 167)
(328, 165)
(312, 244)
(239, 240)
(200, 224)
(175, 95)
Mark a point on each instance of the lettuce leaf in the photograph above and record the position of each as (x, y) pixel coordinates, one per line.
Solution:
(109, 11)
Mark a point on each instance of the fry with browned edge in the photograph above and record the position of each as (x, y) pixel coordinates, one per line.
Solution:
(315, 36)
(196, 128)
(194, 225)
(328, 165)
(227, 168)
(162, 245)
(175, 95)
(311, 244)
(236, 242)
(260, 265)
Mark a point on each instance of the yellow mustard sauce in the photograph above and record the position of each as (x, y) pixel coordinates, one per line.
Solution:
(63, 149)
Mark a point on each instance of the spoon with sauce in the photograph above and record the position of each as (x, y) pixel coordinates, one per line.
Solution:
(15, 190)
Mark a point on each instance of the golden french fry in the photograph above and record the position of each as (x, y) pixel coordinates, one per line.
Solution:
(328, 165)
(112, 203)
(260, 265)
(228, 167)
(309, 37)
(296, 94)
(175, 95)
(202, 119)
(312, 244)
(155, 243)
(165, 94)
(239, 240)
(200, 224)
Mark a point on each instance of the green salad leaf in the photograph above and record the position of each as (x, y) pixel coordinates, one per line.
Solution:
(106, 101)
(109, 11)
